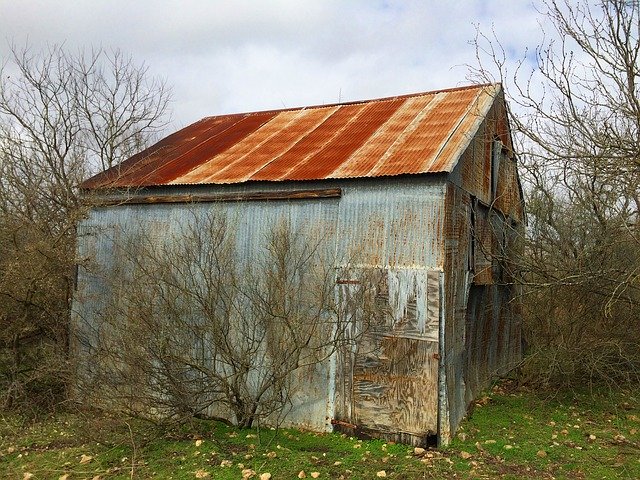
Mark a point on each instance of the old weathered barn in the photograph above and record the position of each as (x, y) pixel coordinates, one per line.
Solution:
(423, 188)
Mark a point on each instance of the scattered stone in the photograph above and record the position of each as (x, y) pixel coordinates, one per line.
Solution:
(265, 476)
(226, 463)
(315, 474)
(272, 455)
(381, 473)
(302, 474)
(198, 442)
(85, 458)
(592, 437)
(202, 474)
(508, 447)
(419, 451)
(465, 455)
(541, 454)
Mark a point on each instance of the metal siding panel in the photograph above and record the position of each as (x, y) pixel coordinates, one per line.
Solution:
(251, 222)
(484, 241)
(481, 324)
(508, 198)
(410, 219)
(456, 293)
(395, 223)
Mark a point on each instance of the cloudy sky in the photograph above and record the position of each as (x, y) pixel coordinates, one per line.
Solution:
(223, 56)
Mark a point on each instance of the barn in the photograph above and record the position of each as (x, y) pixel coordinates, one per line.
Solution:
(421, 189)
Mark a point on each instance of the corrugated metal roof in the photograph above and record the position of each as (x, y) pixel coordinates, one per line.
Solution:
(411, 134)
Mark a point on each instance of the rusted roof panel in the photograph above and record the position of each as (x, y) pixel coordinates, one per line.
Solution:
(412, 134)
(309, 143)
(353, 134)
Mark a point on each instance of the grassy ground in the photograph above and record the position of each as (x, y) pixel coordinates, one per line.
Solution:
(510, 434)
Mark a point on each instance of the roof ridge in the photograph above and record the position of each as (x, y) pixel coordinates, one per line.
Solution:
(357, 102)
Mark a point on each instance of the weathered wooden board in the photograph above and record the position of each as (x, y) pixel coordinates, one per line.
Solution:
(388, 383)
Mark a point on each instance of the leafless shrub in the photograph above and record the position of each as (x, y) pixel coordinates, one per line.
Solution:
(191, 328)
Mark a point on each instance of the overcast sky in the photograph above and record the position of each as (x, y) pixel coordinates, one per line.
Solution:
(245, 55)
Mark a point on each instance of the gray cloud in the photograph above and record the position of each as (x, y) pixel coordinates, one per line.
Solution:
(227, 56)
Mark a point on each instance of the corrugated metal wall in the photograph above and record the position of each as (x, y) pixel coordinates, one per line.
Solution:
(414, 232)
(391, 225)
(482, 326)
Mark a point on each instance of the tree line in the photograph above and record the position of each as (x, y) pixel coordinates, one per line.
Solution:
(63, 116)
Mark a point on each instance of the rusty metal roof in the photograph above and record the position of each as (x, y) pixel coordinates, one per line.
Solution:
(411, 134)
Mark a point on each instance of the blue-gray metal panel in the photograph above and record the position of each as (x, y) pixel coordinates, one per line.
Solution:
(393, 222)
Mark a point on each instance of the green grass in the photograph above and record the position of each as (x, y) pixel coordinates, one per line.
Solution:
(510, 434)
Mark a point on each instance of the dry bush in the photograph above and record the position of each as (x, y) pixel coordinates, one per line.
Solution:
(191, 328)
(575, 113)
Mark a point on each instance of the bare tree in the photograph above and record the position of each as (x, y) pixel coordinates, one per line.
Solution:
(575, 110)
(65, 116)
(62, 117)
(191, 328)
